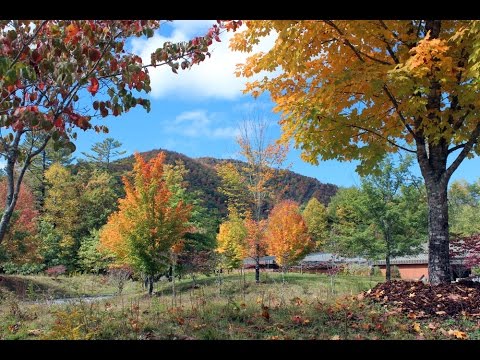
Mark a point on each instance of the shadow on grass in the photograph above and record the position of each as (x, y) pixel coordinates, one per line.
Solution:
(31, 289)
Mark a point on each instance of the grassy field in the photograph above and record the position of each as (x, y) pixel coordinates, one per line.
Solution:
(305, 306)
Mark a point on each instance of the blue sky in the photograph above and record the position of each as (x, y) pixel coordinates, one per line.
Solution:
(197, 111)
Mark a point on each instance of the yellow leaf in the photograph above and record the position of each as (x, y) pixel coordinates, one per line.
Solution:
(416, 327)
(458, 334)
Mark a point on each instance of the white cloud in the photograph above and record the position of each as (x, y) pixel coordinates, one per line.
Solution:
(200, 124)
(213, 78)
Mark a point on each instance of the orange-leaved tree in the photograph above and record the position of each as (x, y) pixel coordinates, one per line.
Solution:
(255, 246)
(58, 75)
(287, 235)
(358, 90)
(149, 225)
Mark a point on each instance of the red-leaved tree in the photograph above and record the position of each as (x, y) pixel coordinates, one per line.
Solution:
(20, 242)
(466, 249)
(58, 75)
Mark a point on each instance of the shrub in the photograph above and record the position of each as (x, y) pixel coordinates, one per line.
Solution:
(119, 275)
(356, 269)
(24, 269)
(395, 272)
(375, 271)
(56, 270)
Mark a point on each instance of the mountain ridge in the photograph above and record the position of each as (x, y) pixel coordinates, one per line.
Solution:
(203, 176)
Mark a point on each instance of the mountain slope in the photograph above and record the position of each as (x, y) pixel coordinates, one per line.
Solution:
(203, 177)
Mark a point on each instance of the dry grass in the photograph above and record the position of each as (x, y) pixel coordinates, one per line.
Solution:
(305, 307)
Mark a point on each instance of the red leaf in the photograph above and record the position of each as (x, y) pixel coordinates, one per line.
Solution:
(93, 87)
(58, 122)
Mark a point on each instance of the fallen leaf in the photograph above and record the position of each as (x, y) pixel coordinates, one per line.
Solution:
(416, 326)
(34, 332)
(458, 334)
(335, 337)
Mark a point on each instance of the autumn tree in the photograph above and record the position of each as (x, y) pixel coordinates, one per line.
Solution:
(149, 225)
(315, 216)
(21, 244)
(104, 152)
(199, 243)
(97, 199)
(63, 212)
(255, 243)
(357, 90)
(46, 65)
(234, 187)
(262, 157)
(231, 240)
(287, 235)
(35, 175)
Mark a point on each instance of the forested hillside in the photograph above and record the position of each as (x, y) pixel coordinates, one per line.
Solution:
(203, 177)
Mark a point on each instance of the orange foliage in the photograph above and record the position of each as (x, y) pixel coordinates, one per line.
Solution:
(255, 241)
(287, 234)
(147, 225)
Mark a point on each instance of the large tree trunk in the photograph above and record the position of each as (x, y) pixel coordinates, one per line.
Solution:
(438, 246)
(432, 157)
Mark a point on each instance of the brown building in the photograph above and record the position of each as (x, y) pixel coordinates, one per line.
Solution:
(415, 267)
(411, 267)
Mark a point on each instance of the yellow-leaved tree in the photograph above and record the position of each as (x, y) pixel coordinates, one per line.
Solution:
(357, 90)
(148, 228)
(231, 240)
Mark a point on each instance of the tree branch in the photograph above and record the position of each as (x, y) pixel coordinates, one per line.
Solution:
(357, 52)
(466, 149)
(27, 43)
(382, 137)
(395, 104)
(455, 148)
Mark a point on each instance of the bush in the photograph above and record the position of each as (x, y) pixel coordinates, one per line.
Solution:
(56, 270)
(119, 275)
(356, 269)
(476, 271)
(24, 269)
(395, 272)
(90, 258)
(375, 271)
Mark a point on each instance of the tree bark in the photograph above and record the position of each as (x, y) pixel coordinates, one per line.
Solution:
(438, 247)
(150, 285)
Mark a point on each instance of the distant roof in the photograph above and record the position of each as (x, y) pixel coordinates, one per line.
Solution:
(329, 257)
(403, 260)
(263, 260)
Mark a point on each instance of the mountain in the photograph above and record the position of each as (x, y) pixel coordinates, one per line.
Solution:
(203, 176)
